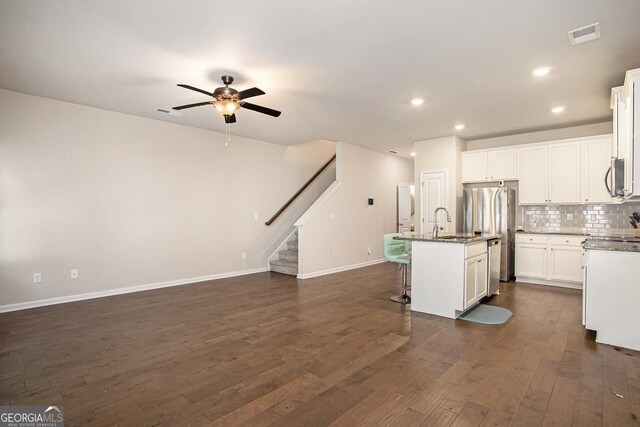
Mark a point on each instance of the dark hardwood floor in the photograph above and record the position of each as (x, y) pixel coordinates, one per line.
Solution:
(267, 349)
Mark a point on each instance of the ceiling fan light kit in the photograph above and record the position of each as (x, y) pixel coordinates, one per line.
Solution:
(227, 101)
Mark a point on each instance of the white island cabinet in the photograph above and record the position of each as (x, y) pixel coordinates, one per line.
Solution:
(448, 277)
(611, 294)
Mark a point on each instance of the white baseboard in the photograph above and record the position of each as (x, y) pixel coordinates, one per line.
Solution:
(569, 285)
(339, 269)
(119, 291)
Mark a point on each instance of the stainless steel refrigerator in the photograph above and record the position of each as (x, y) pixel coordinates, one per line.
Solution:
(493, 211)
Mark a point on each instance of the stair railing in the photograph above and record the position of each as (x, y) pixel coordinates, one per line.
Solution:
(295, 196)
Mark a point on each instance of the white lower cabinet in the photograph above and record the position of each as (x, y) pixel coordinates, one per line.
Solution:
(549, 259)
(475, 283)
(565, 263)
(611, 297)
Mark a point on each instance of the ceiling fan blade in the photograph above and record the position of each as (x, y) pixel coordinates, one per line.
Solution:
(248, 93)
(197, 104)
(196, 89)
(261, 109)
(230, 119)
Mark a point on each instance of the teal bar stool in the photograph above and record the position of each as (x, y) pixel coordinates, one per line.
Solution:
(396, 251)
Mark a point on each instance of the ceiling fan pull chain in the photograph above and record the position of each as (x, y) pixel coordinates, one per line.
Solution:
(228, 135)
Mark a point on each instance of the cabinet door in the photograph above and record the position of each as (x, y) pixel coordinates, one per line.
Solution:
(503, 164)
(474, 166)
(481, 277)
(565, 264)
(564, 173)
(596, 159)
(531, 260)
(470, 282)
(534, 175)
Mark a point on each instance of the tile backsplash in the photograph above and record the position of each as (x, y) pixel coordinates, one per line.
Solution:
(597, 220)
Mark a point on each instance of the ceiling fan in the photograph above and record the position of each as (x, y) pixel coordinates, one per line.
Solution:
(228, 100)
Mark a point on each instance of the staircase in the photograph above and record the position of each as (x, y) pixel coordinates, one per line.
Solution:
(287, 262)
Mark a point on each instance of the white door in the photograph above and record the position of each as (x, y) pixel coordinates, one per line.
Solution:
(404, 208)
(533, 171)
(564, 173)
(433, 194)
(596, 158)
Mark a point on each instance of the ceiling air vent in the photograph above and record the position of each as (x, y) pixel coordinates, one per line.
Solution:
(584, 34)
(169, 111)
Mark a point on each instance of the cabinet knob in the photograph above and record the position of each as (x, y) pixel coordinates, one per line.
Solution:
(586, 200)
(567, 241)
(531, 240)
(479, 260)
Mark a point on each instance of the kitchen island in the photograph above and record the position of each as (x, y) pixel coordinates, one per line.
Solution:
(611, 297)
(449, 273)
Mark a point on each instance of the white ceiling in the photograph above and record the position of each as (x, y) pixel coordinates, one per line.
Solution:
(337, 69)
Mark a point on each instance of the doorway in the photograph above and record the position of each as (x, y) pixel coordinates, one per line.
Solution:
(433, 194)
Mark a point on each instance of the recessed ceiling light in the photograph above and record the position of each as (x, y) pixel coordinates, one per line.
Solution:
(413, 153)
(558, 109)
(541, 71)
(459, 127)
(417, 101)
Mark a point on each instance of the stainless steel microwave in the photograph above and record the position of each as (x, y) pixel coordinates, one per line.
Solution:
(614, 178)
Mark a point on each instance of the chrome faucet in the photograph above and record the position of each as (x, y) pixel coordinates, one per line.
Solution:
(435, 221)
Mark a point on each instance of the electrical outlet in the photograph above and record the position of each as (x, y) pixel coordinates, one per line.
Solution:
(369, 250)
(37, 277)
(255, 216)
(332, 216)
(244, 255)
(569, 217)
(74, 273)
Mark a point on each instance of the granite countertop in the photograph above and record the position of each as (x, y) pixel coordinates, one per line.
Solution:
(561, 233)
(612, 244)
(451, 238)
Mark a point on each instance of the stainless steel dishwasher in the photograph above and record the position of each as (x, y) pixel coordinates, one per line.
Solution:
(493, 253)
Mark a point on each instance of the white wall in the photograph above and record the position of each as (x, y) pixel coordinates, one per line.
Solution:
(327, 245)
(543, 136)
(131, 201)
(436, 155)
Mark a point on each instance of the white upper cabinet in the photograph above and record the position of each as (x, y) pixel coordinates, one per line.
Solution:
(503, 164)
(564, 173)
(568, 171)
(596, 154)
(489, 165)
(534, 174)
(475, 166)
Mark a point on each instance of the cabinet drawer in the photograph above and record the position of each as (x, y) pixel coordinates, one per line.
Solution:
(474, 250)
(540, 239)
(567, 240)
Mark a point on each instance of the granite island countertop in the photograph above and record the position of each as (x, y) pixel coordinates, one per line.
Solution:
(464, 239)
(612, 244)
(552, 233)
